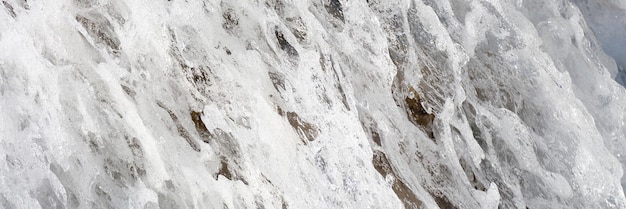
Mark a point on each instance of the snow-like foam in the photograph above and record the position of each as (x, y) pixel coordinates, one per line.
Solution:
(312, 104)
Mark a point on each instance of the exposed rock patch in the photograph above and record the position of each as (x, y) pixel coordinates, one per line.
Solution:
(307, 131)
(9, 9)
(417, 114)
(335, 8)
(286, 46)
(100, 29)
(180, 128)
(408, 198)
(230, 20)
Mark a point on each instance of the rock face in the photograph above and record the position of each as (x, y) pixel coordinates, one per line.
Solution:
(312, 104)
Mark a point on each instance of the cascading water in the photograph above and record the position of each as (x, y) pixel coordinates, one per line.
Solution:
(312, 104)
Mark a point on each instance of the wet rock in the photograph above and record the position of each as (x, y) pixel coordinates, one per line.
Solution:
(122, 171)
(417, 114)
(100, 29)
(230, 20)
(404, 193)
(196, 117)
(180, 128)
(129, 91)
(297, 28)
(9, 8)
(307, 131)
(278, 80)
(224, 171)
(103, 198)
(335, 8)
(286, 46)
